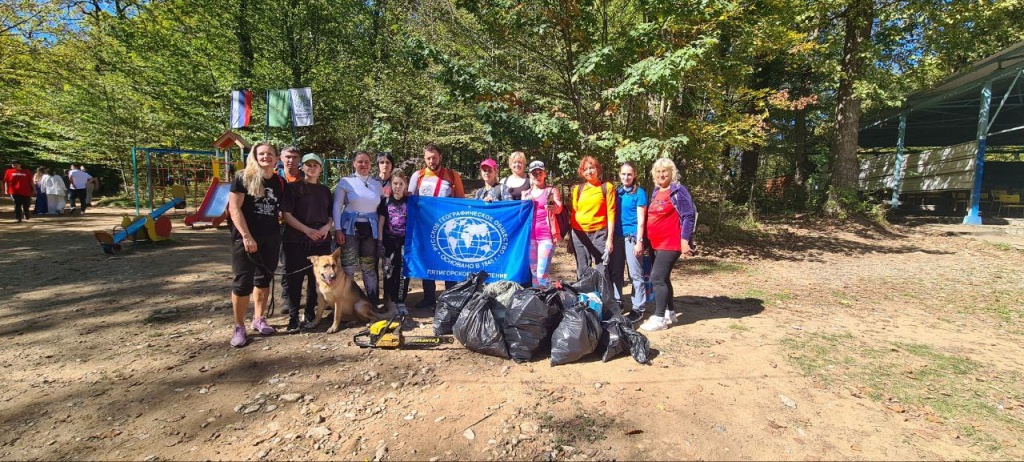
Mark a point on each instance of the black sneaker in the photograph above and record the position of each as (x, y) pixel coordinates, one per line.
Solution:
(635, 316)
(426, 304)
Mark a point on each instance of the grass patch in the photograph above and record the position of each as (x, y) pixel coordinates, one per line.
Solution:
(162, 316)
(739, 327)
(1001, 246)
(703, 266)
(956, 390)
(580, 427)
(121, 200)
(767, 297)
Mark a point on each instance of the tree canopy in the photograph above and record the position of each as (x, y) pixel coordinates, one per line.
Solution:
(733, 91)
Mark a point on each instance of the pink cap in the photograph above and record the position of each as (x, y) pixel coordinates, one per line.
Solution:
(488, 162)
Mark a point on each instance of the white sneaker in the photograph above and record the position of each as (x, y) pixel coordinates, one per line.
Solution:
(654, 323)
(670, 317)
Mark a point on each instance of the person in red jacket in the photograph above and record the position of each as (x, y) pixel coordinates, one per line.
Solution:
(19, 186)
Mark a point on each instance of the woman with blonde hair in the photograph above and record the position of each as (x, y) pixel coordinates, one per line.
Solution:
(517, 182)
(254, 206)
(38, 181)
(671, 218)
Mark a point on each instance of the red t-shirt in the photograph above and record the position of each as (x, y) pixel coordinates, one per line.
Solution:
(19, 182)
(663, 228)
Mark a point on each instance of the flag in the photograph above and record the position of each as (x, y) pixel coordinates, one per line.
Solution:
(241, 108)
(448, 239)
(277, 108)
(302, 106)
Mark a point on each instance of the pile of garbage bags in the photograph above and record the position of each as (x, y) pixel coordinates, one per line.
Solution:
(569, 321)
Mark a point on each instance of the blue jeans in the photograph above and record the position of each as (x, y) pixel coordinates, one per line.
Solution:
(622, 256)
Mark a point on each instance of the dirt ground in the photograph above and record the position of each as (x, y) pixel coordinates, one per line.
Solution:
(797, 341)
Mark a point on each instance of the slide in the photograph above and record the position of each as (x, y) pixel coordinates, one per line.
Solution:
(150, 222)
(214, 208)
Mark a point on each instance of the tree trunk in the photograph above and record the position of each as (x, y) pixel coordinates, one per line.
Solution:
(243, 32)
(858, 20)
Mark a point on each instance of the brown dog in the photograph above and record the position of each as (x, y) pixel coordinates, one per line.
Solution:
(335, 287)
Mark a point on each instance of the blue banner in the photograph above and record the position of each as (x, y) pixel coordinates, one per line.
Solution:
(448, 239)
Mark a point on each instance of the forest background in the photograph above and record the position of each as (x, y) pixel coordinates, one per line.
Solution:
(734, 91)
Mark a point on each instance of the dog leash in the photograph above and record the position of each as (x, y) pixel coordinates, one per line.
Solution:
(257, 260)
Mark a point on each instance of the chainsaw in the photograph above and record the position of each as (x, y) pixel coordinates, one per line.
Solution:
(388, 334)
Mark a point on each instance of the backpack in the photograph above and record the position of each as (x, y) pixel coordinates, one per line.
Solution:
(443, 175)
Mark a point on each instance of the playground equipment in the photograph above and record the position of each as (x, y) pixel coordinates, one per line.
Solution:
(152, 227)
(214, 209)
(157, 171)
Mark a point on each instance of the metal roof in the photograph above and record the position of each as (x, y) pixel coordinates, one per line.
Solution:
(947, 113)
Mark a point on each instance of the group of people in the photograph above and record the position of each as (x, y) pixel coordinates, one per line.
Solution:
(49, 189)
(611, 227)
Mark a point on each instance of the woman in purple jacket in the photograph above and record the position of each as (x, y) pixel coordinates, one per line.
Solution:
(670, 221)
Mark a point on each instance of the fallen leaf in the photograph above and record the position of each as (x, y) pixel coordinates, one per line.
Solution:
(634, 431)
(856, 447)
(896, 408)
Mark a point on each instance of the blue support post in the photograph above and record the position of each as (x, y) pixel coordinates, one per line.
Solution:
(135, 181)
(897, 172)
(974, 214)
(149, 174)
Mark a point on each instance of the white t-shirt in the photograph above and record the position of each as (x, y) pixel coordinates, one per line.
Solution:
(428, 185)
(361, 197)
(79, 179)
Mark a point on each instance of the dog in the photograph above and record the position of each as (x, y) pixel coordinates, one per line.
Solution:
(337, 288)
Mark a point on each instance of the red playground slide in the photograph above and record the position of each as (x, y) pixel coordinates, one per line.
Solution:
(214, 208)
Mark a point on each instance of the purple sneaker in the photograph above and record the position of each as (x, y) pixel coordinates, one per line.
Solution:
(238, 338)
(260, 325)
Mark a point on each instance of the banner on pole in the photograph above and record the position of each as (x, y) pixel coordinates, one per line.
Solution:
(302, 106)
(277, 108)
(241, 108)
(448, 239)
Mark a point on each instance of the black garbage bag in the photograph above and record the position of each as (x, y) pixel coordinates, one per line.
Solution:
(477, 329)
(594, 280)
(639, 347)
(576, 336)
(529, 321)
(502, 292)
(450, 303)
(613, 339)
(559, 295)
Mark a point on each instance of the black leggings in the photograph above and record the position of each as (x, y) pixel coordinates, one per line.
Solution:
(396, 287)
(661, 271)
(296, 257)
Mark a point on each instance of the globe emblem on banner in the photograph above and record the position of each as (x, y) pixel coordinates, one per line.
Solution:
(469, 238)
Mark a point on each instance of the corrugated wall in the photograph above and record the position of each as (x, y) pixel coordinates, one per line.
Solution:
(943, 169)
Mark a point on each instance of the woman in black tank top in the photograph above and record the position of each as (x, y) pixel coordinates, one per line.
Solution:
(517, 163)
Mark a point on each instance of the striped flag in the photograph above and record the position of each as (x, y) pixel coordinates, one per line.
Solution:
(241, 108)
